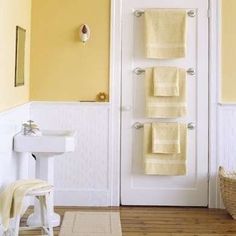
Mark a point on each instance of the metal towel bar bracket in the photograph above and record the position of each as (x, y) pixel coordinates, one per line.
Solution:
(139, 71)
(139, 125)
(191, 71)
(139, 13)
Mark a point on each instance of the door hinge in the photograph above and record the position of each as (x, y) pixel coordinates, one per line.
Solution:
(209, 13)
(208, 177)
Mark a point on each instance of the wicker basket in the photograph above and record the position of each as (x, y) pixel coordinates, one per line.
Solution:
(228, 190)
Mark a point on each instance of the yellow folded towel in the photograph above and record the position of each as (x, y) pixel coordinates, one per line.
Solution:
(164, 164)
(11, 199)
(165, 107)
(165, 138)
(165, 33)
(166, 81)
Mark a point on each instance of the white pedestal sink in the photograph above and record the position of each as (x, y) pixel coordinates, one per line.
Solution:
(45, 148)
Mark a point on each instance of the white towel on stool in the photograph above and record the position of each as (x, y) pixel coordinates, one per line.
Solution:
(11, 199)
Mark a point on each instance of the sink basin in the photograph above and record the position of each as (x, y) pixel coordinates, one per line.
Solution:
(52, 142)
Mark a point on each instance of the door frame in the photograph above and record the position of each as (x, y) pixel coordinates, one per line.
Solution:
(214, 96)
(115, 99)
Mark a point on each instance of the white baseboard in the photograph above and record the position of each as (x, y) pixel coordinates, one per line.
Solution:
(81, 198)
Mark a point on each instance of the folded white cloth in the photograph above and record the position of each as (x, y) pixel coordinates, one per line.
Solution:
(165, 81)
(164, 164)
(165, 33)
(165, 138)
(165, 107)
(11, 199)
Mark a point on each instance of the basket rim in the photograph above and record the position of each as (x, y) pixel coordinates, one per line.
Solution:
(223, 174)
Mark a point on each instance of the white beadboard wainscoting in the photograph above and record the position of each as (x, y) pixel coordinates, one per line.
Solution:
(10, 123)
(224, 144)
(87, 177)
(84, 177)
(227, 136)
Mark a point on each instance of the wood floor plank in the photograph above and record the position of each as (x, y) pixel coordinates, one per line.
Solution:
(161, 221)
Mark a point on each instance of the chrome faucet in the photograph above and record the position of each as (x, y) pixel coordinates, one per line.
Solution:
(29, 128)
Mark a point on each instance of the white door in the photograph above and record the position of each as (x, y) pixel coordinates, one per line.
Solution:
(136, 187)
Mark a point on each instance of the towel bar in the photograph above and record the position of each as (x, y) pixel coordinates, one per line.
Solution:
(139, 125)
(139, 71)
(139, 13)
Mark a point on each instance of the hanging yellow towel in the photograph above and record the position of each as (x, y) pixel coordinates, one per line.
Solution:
(165, 81)
(165, 138)
(11, 199)
(165, 107)
(164, 164)
(165, 33)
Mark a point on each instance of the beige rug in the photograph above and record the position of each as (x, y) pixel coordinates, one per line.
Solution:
(91, 224)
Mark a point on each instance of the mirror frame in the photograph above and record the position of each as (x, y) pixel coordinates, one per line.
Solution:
(20, 56)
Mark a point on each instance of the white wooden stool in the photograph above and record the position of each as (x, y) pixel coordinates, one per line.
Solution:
(43, 195)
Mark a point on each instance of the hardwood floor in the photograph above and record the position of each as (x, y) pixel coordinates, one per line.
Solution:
(163, 221)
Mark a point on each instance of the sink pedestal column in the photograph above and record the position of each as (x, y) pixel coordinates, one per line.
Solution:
(44, 171)
(23, 165)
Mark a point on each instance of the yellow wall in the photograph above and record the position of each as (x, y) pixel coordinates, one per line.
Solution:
(228, 90)
(12, 13)
(62, 68)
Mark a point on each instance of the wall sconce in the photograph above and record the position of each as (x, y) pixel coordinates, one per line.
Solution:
(84, 33)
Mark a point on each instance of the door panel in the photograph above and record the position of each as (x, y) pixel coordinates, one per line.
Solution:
(137, 188)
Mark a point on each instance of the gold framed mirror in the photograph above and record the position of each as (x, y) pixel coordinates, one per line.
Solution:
(20, 56)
